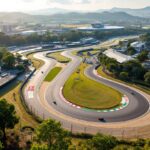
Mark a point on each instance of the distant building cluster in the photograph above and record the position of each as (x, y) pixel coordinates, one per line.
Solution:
(99, 26)
(120, 55)
(112, 53)
(138, 46)
(29, 32)
(6, 28)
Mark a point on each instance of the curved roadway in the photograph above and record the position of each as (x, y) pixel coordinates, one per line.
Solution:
(77, 119)
(138, 104)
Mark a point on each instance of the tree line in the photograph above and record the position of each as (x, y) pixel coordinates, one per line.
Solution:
(20, 40)
(132, 70)
(146, 38)
(11, 61)
(49, 135)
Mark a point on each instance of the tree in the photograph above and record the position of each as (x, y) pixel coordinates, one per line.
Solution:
(18, 57)
(134, 69)
(113, 67)
(131, 50)
(20, 67)
(8, 118)
(2, 53)
(39, 147)
(102, 142)
(142, 56)
(1, 146)
(124, 76)
(51, 132)
(147, 77)
(9, 60)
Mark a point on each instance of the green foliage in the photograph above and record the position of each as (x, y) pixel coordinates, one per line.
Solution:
(101, 142)
(1, 134)
(130, 51)
(142, 56)
(7, 115)
(20, 67)
(9, 60)
(8, 118)
(1, 146)
(51, 132)
(134, 69)
(106, 61)
(60, 58)
(87, 93)
(146, 38)
(6, 58)
(39, 147)
(140, 142)
(147, 77)
(72, 36)
(52, 74)
(124, 147)
(124, 76)
(18, 40)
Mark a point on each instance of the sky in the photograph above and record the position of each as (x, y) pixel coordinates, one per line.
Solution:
(90, 5)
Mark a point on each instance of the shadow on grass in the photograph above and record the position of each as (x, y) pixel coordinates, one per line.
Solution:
(9, 87)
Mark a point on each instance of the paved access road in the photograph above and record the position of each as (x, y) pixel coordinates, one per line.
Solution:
(77, 119)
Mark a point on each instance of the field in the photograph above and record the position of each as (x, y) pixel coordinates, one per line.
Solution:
(87, 93)
(52, 74)
(37, 63)
(140, 87)
(94, 52)
(59, 57)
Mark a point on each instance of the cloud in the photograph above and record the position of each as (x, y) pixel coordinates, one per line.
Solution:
(69, 1)
(28, 1)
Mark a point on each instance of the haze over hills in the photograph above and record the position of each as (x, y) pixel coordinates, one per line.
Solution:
(142, 12)
(104, 17)
(18, 17)
(48, 11)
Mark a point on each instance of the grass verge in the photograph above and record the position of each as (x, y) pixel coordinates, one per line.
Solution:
(140, 87)
(60, 58)
(11, 94)
(88, 93)
(52, 74)
(37, 63)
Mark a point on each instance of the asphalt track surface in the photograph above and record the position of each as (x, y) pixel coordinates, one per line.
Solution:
(138, 104)
(137, 107)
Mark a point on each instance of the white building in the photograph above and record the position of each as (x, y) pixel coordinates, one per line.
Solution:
(89, 40)
(139, 46)
(111, 53)
(29, 32)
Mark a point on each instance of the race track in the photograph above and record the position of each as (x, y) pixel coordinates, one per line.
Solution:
(138, 104)
(81, 120)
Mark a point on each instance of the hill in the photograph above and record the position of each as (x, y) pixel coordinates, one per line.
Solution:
(17, 17)
(48, 11)
(143, 12)
(104, 17)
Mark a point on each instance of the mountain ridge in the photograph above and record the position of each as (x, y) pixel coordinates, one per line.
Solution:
(72, 17)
